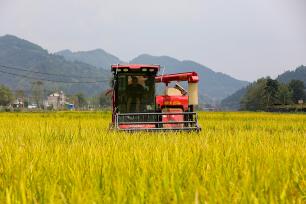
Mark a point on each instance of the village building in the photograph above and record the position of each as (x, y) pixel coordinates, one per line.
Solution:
(56, 100)
(18, 103)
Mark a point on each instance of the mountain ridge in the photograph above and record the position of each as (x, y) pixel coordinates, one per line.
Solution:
(97, 57)
(22, 53)
(16, 53)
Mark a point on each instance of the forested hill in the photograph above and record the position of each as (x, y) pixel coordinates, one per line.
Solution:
(232, 102)
(297, 74)
(25, 61)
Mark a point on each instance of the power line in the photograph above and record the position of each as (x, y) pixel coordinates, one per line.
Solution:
(45, 73)
(51, 80)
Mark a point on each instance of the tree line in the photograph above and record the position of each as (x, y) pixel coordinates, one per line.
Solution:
(266, 93)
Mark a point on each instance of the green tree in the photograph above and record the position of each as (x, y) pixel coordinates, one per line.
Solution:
(38, 92)
(270, 92)
(284, 95)
(80, 100)
(6, 95)
(254, 99)
(297, 88)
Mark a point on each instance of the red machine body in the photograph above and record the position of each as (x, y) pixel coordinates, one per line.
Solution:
(171, 112)
(172, 101)
(175, 103)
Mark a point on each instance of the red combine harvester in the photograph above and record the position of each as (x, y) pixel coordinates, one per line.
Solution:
(137, 108)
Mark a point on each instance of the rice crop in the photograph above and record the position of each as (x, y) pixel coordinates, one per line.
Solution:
(72, 157)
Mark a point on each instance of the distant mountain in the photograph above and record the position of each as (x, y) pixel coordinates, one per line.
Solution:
(75, 66)
(232, 102)
(98, 58)
(297, 74)
(22, 54)
(213, 86)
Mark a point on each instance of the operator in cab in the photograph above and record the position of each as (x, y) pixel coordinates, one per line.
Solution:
(135, 93)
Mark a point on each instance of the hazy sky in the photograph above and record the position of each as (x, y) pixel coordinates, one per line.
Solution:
(244, 38)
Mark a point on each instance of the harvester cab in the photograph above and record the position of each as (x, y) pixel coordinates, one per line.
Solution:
(137, 108)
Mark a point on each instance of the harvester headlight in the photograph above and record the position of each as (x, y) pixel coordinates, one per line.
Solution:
(144, 69)
(151, 70)
(125, 70)
(119, 70)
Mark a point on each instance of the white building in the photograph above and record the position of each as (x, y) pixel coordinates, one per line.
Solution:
(56, 100)
(18, 103)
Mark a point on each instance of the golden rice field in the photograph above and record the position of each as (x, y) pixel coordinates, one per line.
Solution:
(71, 157)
